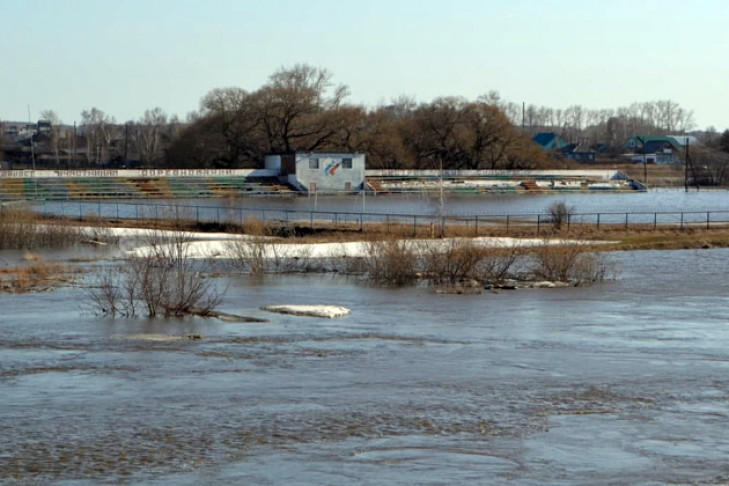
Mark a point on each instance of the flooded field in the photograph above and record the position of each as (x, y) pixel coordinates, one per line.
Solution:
(412, 204)
(625, 382)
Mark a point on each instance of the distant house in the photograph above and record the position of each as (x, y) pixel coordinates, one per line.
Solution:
(44, 126)
(550, 141)
(582, 153)
(320, 172)
(653, 149)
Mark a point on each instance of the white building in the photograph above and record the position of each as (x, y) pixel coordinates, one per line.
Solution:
(320, 172)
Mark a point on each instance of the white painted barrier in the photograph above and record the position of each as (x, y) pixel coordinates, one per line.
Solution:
(134, 173)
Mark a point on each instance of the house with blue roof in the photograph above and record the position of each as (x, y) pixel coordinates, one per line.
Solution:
(550, 141)
(653, 149)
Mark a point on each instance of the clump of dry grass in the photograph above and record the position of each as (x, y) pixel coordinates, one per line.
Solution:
(37, 274)
(20, 229)
(24, 230)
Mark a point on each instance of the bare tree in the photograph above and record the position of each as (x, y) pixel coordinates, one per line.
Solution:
(55, 134)
(147, 136)
(99, 130)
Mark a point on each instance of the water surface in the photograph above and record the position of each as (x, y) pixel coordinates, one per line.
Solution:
(625, 382)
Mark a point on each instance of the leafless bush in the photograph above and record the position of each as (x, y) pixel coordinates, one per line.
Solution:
(452, 261)
(573, 263)
(559, 214)
(392, 261)
(266, 255)
(162, 280)
(461, 260)
(496, 265)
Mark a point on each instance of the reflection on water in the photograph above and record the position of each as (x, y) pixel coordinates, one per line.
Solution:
(625, 382)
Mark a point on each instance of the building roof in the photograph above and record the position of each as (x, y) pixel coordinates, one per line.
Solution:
(549, 140)
(648, 144)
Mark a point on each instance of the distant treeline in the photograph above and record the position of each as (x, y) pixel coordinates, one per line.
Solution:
(301, 109)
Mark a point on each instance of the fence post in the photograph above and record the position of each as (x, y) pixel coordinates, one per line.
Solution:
(681, 220)
(415, 225)
(626, 220)
(539, 222)
(569, 219)
(476, 226)
(361, 223)
(707, 219)
(655, 220)
(598, 220)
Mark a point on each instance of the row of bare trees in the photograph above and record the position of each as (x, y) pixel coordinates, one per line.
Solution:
(301, 109)
(610, 125)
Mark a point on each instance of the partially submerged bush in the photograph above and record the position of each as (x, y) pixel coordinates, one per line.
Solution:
(452, 261)
(392, 261)
(162, 281)
(573, 263)
(263, 255)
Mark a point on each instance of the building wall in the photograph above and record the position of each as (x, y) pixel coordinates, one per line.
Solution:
(329, 172)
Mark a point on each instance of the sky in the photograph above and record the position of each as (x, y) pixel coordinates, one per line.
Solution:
(125, 57)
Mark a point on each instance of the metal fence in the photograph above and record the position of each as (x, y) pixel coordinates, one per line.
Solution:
(392, 222)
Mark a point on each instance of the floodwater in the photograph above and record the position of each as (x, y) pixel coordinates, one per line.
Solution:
(410, 204)
(625, 382)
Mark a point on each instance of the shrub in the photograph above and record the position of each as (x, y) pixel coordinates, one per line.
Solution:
(452, 261)
(391, 261)
(162, 280)
(573, 263)
(559, 214)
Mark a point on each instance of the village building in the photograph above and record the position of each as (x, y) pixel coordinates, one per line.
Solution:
(320, 172)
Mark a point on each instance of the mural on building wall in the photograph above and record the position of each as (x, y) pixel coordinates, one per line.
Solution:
(332, 167)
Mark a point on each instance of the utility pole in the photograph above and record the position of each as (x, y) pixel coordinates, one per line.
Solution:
(74, 144)
(685, 171)
(442, 200)
(523, 108)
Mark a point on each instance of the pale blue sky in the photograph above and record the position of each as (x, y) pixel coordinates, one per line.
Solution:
(125, 56)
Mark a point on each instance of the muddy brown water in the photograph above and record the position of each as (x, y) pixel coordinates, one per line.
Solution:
(626, 382)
